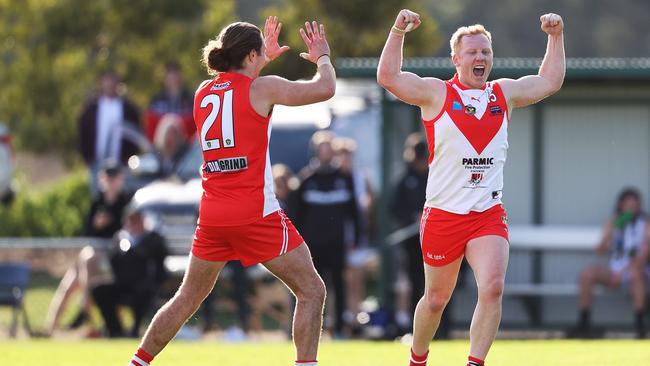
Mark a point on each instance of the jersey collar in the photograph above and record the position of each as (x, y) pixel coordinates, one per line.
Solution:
(456, 80)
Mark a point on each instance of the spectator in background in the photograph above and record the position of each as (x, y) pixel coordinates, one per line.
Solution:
(406, 207)
(344, 149)
(137, 263)
(285, 185)
(325, 200)
(240, 293)
(107, 207)
(102, 127)
(170, 143)
(103, 221)
(626, 237)
(173, 99)
(360, 257)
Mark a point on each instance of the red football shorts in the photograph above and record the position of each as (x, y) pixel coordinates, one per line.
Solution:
(444, 235)
(261, 241)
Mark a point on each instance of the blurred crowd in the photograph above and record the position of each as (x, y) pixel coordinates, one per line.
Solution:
(332, 203)
(329, 200)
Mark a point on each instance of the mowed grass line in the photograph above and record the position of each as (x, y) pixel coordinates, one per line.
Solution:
(352, 353)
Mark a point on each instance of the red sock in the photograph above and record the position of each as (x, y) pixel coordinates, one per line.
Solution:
(473, 361)
(306, 362)
(141, 358)
(418, 360)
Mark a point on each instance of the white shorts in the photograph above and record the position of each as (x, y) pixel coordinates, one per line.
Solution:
(619, 266)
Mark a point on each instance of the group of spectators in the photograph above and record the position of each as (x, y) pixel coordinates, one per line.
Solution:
(111, 127)
(127, 267)
(329, 201)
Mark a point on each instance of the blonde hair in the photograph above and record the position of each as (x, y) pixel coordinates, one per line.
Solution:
(461, 32)
(344, 144)
(284, 173)
(170, 122)
(322, 137)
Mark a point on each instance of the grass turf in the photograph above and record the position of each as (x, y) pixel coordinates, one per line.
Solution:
(353, 353)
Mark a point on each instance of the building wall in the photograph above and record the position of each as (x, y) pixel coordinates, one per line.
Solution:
(518, 173)
(590, 153)
(569, 156)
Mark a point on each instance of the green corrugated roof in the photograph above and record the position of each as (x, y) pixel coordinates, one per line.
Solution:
(577, 68)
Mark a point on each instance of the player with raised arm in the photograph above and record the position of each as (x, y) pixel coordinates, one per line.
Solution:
(466, 121)
(240, 218)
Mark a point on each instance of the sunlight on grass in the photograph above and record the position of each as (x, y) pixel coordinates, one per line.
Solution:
(353, 353)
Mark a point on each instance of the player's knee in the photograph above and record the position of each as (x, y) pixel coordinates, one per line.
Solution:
(313, 291)
(492, 291)
(320, 292)
(190, 298)
(435, 302)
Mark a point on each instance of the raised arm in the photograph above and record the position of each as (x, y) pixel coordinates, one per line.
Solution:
(267, 91)
(408, 87)
(533, 88)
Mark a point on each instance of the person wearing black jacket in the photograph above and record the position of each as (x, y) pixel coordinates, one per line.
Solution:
(103, 125)
(324, 201)
(406, 206)
(107, 207)
(138, 269)
(103, 220)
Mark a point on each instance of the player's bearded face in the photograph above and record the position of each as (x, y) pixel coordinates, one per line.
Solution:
(474, 60)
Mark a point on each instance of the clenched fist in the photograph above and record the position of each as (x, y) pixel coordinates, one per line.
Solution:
(552, 24)
(405, 17)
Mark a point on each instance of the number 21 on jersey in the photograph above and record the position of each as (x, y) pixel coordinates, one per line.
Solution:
(227, 131)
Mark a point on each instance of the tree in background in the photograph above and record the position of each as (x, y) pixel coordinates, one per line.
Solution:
(594, 28)
(354, 29)
(52, 52)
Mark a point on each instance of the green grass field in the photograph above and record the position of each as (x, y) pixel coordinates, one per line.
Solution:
(71, 352)
(342, 353)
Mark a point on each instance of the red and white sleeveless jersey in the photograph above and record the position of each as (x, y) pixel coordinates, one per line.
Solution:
(236, 171)
(468, 143)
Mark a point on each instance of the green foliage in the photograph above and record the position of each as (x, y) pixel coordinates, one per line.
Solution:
(57, 211)
(51, 52)
(354, 29)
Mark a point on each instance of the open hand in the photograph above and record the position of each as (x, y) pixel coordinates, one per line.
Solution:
(314, 36)
(271, 33)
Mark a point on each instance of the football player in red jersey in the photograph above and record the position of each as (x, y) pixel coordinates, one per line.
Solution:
(240, 218)
(466, 121)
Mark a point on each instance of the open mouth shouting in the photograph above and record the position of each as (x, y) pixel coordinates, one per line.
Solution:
(479, 70)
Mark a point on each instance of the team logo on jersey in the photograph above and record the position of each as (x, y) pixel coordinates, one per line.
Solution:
(470, 109)
(228, 165)
(476, 178)
(456, 106)
(220, 86)
(478, 161)
(495, 110)
(497, 195)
